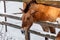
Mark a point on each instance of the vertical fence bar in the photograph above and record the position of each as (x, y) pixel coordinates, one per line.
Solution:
(27, 35)
(5, 12)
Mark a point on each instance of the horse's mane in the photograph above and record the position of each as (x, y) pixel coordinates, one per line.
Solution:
(57, 6)
(27, 7)
(29, 4)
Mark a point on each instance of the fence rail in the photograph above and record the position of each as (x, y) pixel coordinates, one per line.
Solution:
(32, 31)
(10, 16)
(40, 23)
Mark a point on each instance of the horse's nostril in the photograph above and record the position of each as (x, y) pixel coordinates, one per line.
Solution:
(23, 32)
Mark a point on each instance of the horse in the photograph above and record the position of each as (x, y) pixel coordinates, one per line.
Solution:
(36, 12)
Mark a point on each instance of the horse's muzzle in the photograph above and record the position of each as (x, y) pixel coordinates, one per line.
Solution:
(22, 31)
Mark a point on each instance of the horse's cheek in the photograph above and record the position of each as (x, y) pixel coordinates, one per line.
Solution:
(31, 20)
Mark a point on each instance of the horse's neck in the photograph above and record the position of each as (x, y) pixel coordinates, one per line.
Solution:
(40, 7)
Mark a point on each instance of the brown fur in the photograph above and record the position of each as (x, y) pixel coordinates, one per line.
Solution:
(45, 13)
(39, 12)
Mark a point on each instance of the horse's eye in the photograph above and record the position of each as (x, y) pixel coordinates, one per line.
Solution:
(28, 18)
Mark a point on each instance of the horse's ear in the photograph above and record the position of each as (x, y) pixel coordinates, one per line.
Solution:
(21, 9)
(24, 5)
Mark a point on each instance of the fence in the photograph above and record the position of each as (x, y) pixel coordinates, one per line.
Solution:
(27, 33)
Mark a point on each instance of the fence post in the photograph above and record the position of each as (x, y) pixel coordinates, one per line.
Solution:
(27, 35)
(5, 12)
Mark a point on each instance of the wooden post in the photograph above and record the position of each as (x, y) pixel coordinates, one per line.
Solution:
(46, 38)
(5, 12)
(27, 35)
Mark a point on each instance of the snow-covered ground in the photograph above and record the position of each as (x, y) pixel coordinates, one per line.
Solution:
(13, 33)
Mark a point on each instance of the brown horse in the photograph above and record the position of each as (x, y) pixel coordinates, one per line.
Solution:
(35, 12)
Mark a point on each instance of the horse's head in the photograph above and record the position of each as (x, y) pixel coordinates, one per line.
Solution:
(27, 19)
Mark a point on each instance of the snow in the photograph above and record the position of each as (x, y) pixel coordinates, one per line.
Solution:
(13, 33)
